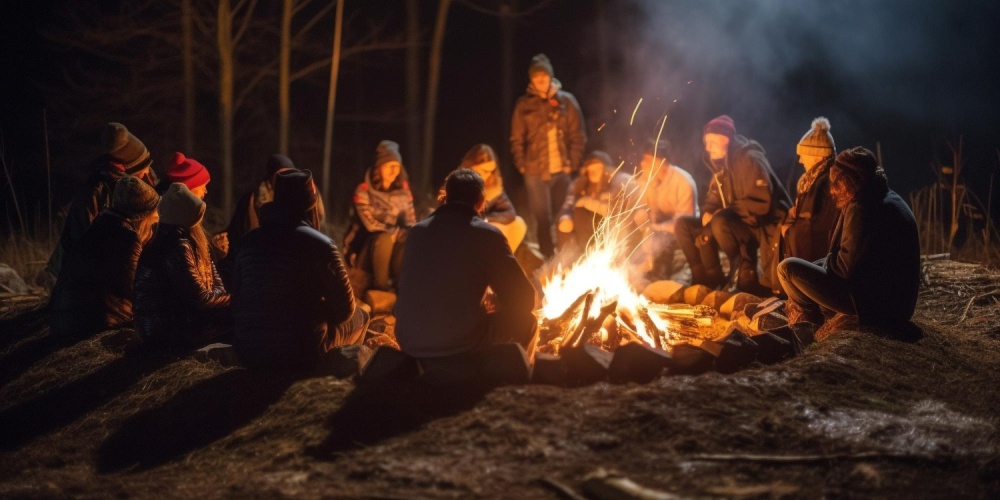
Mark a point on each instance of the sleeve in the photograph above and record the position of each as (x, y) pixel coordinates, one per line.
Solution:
(567, 206)
(409, 213)
(337, 288)
(576, 136)
(518, 130)
(181, 270)
(854, 239)
(713, 199)
(363, 208)
(507, 279)
(501, 210)
(756, 199)
(684, 202)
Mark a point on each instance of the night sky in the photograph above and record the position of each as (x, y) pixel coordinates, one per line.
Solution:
(910, 75)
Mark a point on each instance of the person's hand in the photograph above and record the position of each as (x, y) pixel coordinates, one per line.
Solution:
(565, 224)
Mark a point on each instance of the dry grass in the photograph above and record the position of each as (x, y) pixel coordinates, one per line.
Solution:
(28, 256)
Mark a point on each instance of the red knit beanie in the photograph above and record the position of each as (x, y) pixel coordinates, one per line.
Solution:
(722, 125)
(187, 171)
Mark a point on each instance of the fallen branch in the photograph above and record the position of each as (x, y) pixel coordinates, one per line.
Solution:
(560, 489)
(968, 306)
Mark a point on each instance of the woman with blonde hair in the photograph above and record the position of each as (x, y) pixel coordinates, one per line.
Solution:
(499, 210)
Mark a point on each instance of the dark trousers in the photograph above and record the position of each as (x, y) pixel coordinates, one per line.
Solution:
(701, 245)
(813, 288)
(545, 198)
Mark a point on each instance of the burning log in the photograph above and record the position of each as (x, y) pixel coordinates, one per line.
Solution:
(570, 340)
(567, 315)
(647, 321)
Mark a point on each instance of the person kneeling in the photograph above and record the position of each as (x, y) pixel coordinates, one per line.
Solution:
(451, 259)
(873, 268)
(180, 301)
(292, 300)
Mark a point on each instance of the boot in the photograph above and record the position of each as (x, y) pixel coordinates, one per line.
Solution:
(746, 279)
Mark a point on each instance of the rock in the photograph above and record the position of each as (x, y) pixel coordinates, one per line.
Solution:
(343, 362)
(737, 304)
(690, 359)
(586, 365)
(380, 302)
(549, 369)
(389, 366)
(716, 299)
(695, 294)
(661, 292)
(738, 351)
(11, 282)
(773, 348)
(634, 362)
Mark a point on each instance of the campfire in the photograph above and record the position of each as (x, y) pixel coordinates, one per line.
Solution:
(592, 301)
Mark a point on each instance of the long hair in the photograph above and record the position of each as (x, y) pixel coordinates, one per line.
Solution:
(375, 176)
(482, 153)
(861, 174)
(202, 256)
(144, 227)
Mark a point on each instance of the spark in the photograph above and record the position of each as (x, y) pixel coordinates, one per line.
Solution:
(603, 124)
(633, 112)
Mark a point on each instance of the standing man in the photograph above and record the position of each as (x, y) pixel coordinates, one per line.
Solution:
(744, 205)
(547, 140)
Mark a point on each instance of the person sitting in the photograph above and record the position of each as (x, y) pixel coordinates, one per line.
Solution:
(744, 205)
(383, 207)
(808, 227)
(499, 210)
(187, 171)
(452, 258)
(291, 298)
(180, 301)
(124, 154)
(873, 268)
(247, 214)
(663, 193)
(93, 292)
(598, 190)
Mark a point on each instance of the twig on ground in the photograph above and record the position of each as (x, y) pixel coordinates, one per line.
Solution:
(560, 489)
(968, 306)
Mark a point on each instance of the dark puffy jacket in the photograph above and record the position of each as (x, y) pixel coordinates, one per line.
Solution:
(747, 185)
(290, 287)
(87, 204)
(171, 294)
(811, 227)
(94, 289)
(529, 142)
(876, 249)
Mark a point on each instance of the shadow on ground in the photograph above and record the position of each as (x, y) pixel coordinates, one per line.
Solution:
(194, 418)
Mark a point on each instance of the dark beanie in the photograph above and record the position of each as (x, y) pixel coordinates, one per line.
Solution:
(277, 162)
(722, 125)
(660, 147)
(540, 63)
(600, 156)
(818, 141)
(294, 191)
(133, 198)
(125, 148)
(180, 207)
(387, 151)
(858, 160)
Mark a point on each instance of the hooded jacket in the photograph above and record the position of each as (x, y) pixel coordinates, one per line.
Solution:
(172, 290)
(533, 114)
(811, 225)
(746, 184)
(94, 290)
(290, 290)
(379, 210)
(876, 249)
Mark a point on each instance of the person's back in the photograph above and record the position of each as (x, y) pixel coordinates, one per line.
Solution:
(451, 258)
(290, 287)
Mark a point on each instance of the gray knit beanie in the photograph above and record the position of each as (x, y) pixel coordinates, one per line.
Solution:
(133, 198)
(180, 207)
(540, 63)
(387, 151)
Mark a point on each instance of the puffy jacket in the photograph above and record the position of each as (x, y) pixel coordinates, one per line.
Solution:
(810, 226)
(598, 197)
(876, 249)
(376, 210)
(746, 184)
(94, 289)
(171, 292)
(87, 204)
(529, 142)
(290, 287)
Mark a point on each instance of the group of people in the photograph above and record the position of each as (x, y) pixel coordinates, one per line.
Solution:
(133, 252)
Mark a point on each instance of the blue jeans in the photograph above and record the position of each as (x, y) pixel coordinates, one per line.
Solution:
(813, 288)
(545, 198)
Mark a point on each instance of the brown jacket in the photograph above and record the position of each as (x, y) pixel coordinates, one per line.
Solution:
(529, 131)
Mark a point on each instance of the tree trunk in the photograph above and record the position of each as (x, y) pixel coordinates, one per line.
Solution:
(426, 170)
(413, 79)
(187, 32)
(603, 57)
(284, 83)
(507, 82)
(331, 102)
(225, 42)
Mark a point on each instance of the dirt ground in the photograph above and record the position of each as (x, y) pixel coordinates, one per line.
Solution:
(859, 414)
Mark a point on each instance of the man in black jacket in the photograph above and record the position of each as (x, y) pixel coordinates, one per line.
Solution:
(547, 140)
(744, 205)
(292, 300)
(873, 268)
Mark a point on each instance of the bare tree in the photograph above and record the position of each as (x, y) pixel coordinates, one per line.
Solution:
(332, 99)
(426, 168)
(413, 37)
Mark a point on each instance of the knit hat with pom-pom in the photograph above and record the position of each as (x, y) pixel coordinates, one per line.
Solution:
(188, 171)
(817, 141)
